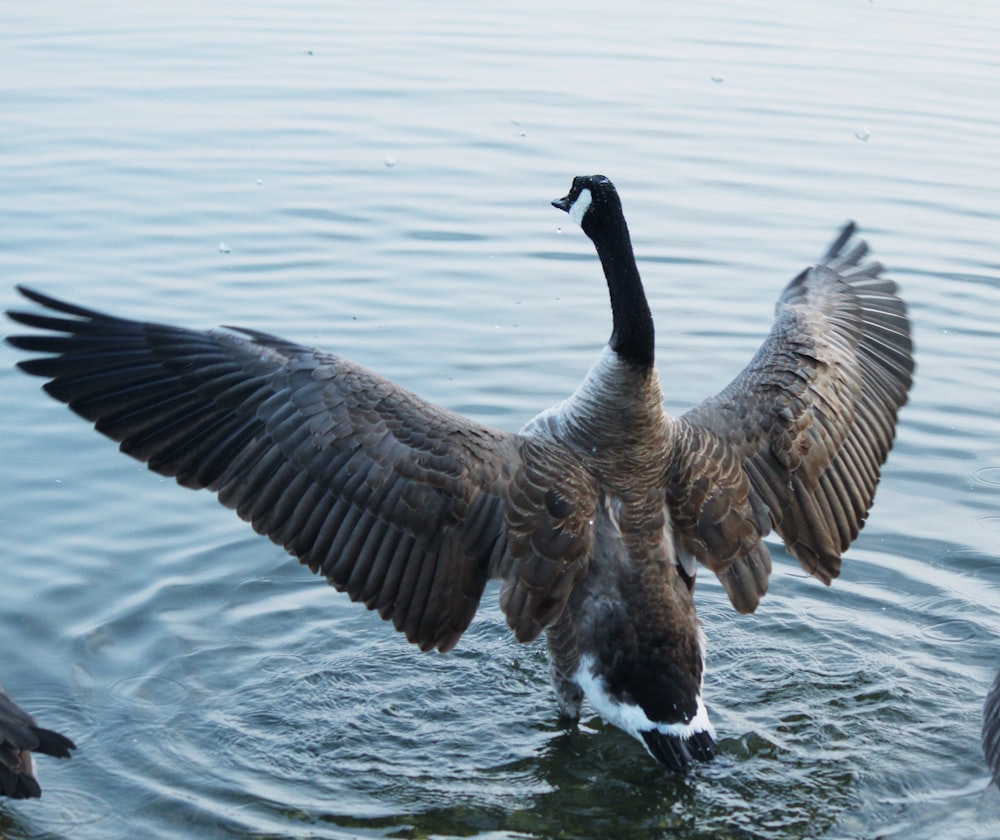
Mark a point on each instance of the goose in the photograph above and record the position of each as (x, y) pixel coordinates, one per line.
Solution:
(20, 736)
(593, 517)
(991, 730)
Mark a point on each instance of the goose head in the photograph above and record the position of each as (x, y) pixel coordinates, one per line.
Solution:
(591, 202)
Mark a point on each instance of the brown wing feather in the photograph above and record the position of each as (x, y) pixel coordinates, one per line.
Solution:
(553, 506)
(716, 517)
(393, 499)
(811, 420)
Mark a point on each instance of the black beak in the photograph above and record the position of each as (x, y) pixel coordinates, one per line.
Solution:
(562, 203)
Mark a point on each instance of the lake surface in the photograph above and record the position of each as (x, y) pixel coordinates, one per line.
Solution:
(375, 178)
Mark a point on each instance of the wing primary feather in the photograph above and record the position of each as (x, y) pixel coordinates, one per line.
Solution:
(812, 417)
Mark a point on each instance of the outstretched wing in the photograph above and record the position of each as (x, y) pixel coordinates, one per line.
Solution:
(394, 500)
(809, 422)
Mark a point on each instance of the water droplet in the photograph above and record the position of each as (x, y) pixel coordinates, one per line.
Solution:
(558, 230)
(863, 134)
(223, 248)
(260, 181)
(718, 79)
(390, 161)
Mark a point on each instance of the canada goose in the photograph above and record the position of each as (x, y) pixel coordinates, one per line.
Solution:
(991, 730)
(592, 517)
(19, 738)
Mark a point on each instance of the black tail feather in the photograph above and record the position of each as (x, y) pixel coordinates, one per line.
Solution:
(676, 752)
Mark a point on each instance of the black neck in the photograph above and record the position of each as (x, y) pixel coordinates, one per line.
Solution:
(632, 337)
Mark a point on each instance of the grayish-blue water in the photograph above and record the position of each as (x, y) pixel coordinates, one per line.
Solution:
(374, 178)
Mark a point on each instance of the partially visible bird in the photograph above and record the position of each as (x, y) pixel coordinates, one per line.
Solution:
(991, 730)
(20, 736)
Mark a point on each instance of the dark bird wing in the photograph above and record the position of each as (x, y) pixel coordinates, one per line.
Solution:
(991, 730)
(809, 422)
(394, 500)
(19, 737)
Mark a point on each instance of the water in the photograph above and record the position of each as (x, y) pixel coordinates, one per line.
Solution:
(375, 178)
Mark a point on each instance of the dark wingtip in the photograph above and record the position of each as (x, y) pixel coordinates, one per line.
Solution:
(678, 753)
(846, 232)
(18, 785)
(51, 303)
(991, 730)
(53, 743)
(846, 255)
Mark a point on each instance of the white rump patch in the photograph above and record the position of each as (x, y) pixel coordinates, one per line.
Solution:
(630, 717)
(578, 209)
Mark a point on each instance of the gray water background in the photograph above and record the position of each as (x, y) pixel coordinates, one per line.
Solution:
(374, 178)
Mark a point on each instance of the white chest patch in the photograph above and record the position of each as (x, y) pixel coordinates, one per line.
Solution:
(579, 207)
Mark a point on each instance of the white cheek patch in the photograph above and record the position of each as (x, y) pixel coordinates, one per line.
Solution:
(578, 209)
